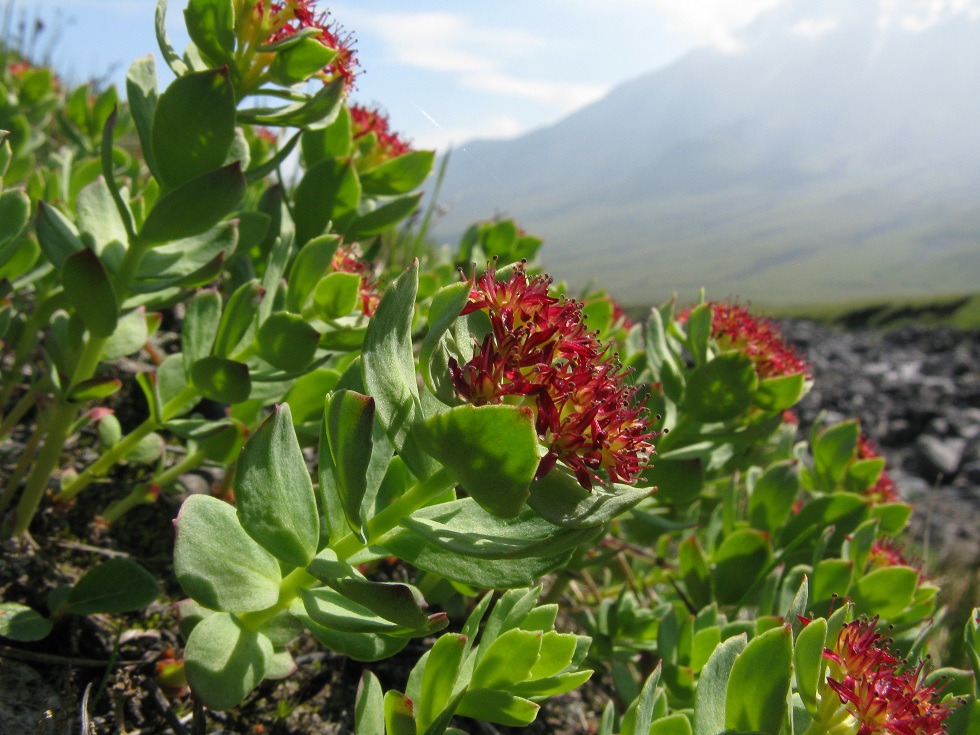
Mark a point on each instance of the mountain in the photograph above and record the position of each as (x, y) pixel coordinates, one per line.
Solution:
(835, 156)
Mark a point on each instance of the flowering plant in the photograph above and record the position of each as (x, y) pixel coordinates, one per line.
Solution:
(560, 491)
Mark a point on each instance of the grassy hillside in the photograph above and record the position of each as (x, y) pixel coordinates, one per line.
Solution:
(960, 311)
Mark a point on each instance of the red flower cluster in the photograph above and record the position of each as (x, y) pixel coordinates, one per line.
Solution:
(886, 553)
(368, 120)
(291, 16)
(538, 352)
(733, 328)
(883, 694)
(347, 259)
(883, 491)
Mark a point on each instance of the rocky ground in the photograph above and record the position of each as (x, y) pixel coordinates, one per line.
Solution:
(916, 391)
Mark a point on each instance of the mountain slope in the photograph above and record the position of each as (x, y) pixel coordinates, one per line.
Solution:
(841, 165)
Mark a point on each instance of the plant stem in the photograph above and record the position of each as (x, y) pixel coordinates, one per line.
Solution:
(411, 501)
(22, 406)
(299, 579)
(118, 450)
(147, 492)
(63, 414)
(20, 470)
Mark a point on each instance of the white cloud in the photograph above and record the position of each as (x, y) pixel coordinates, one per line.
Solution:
(565, 95)
(919, 15)
(713, 21)
(813, 27)
(437, 136)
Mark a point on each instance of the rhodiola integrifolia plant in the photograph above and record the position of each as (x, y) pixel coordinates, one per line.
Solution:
(481, 431)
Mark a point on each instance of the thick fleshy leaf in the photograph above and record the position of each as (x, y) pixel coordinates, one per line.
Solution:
(101, 386)
(348, 426)
(773, 495)
(390, 600)
(193, 128)
(195, 206)
(141, 92)
(381, 218)
(721, 389)
(498, 707)
(287, 341)
(508, 660)
(301, 60)
(274, 492)
(309, 266)
(831, 577)
(22, 623)
(369, 717)
(131, 333)
(217, 563)
(780, 392)
(885, 592)
(463, 527)
(320, 109)
(56, 234)
(328, 192)
(398, 175)
(329, 141)
(388, 365)
(399, 714)
(842, 511)
(833, 449)
(492, 450)
(711, 695)
(739, 562)
(809, 661)
(698, 328)
(211, 26)
(225, 661)
(200, 326)
(114, 586)
(187, 261)
(90, 292)
(557, 497)
(331, 609)
(760, 682)
(439, 678)
(484, 573)
(237, 317)
(98, 216)
(222, 380)
(358, 646)
(444, 310)
(15, 211)
(336, 295)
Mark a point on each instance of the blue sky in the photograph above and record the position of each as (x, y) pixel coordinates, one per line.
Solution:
(449, 72)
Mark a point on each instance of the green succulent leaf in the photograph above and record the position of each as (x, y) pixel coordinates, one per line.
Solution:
(200, 326)
(885, 592)
(388, 368)
(15, 211)
(195, 206)
(141, 92)
(498, 707)
(21, 623)
(336, 295)
(217, 563)
(309, 266)
(809, 661)
(464, 527)
(369, 716)
(224, 660)
(722, 389)
(739, 562)
(328, 192)
(711, 695)
(398, 175)
(114, 586)
(560, 499)
(759, 683)
(193, 129)
(287, 341)
(773, 495)
(211, 26)
(90, 292)
(348, 427)
(222, 380)
(274, 492)
(300, 61)
(492, 450)
(382, 217)
(56, 234)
